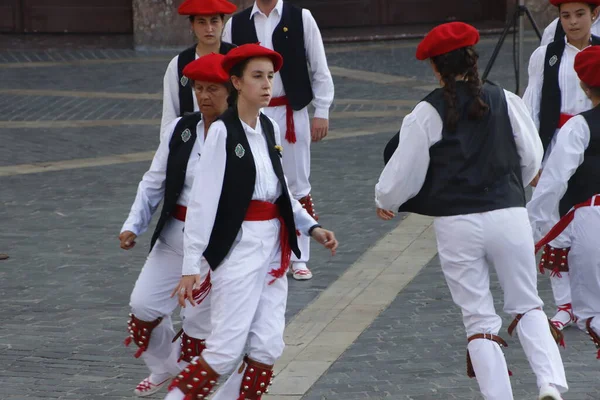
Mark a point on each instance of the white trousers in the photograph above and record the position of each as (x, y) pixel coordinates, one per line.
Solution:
(561, 287)
(583, 236)
(296, 162)
(245, 309)
(468, 245)
(151, 299)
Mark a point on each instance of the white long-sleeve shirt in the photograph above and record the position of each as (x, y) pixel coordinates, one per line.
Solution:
(321, 81)
(573, 98)
(151, 189)
(207, 187)
(548, 35)
(405, 173)
(171, 95)
(571, 142)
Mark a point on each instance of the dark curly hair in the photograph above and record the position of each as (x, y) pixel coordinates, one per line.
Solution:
(458, 62)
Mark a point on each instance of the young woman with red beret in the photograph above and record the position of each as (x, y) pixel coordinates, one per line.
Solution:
(465, 154)
(169, 180)
(207, 21)
(571, 182)
(553, 96)
(243, 221)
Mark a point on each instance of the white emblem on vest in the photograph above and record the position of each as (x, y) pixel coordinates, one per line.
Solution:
(239, 151)
(553, 60)
(186, 135)
(183, 80)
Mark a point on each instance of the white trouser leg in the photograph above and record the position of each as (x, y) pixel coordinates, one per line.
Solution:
(461, 250)
(584, 263)
(296, 162)
(237, 285)
(151, 298)
(561, 288)
(266, 333)
(510, 249)
(196, 319)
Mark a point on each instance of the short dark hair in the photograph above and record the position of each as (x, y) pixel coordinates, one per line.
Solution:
(193, 17)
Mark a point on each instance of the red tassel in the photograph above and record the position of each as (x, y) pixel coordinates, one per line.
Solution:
(203, 291)
(598, 356)
(290, 131)
(286, 254)
(510, 373)
(127, 341)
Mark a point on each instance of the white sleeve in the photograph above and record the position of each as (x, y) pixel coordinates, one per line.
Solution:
(405, 173)
(226, 36)
(204, 198)
(170, 95)
(527, 139)
(533, 93)
(151, 189)
(565, 158)
(322, 83)
(548, 35)
(304, 221)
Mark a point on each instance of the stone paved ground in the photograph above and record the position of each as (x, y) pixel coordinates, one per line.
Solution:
(64, 291)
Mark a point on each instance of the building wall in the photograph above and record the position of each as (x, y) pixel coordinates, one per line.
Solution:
(157, 24)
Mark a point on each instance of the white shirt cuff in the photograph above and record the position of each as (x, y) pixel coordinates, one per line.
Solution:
(322, 113)
(191, 265)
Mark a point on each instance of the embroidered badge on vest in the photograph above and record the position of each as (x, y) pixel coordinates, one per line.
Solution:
(553, 60)
(186, 135)
(239, 151)
(183, 80)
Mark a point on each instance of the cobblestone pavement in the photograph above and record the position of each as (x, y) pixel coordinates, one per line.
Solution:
(65, 289)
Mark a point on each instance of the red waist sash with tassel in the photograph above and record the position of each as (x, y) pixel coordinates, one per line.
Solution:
(265, 211)
(290, 129)
(563, 119)
(562, 224)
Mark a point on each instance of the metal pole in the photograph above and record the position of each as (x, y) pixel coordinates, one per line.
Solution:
(521, 61)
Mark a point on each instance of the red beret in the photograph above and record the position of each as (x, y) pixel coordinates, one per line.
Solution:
(251, 50)
(446, 38)
(557, 3)
(207, 68)
(587, 66)
(206, 7)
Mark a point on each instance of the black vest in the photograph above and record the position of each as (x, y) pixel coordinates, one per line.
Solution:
(186, 100)
(477, 167)
(585, 182)
(180, 148)
(238, 187)
(551, 95)
(288, 40)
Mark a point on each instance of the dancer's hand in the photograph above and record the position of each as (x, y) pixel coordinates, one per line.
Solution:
(385, 215)
(319, 129)
(185, 288)
(127, 239)
(326, 238)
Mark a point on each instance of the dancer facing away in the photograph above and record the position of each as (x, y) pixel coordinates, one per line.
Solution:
(464, 155)
(169, 179)
(242, 219)
(553, 96)
(207, 18)
(303, 79)
(571, 182)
